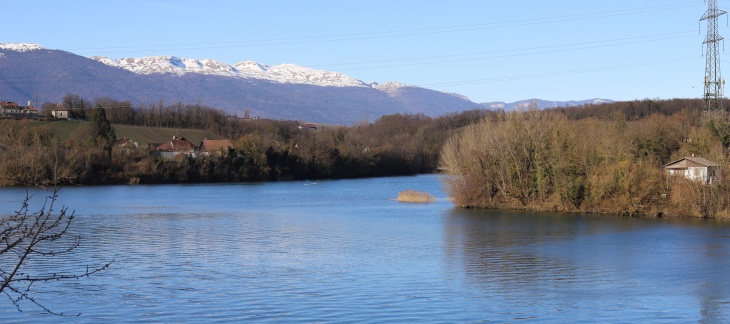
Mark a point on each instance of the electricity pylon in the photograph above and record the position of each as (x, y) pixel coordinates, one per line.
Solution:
(714, 83)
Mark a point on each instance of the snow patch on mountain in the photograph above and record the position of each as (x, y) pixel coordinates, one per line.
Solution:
(106, 60)
(391, 86)
(542, 104)
(170, 65)
(20, 47)
(291, 73)
(460, 96)
(283, 73)
(251, 69)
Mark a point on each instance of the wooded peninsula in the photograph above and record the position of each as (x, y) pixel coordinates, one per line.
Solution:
(606, 158)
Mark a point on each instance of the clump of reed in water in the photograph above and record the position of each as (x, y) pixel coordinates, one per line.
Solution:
(412, 196)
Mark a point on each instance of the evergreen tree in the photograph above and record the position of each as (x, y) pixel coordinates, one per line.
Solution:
(102, 131)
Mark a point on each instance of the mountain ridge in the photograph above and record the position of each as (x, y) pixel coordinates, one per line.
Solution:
(284, 91)
(542, 104)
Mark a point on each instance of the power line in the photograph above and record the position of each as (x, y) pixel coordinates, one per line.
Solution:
(504, 53)
(27, 3)
(664, 37)
(381, 34)
(486, 80)
(552, 74)
(445, 58)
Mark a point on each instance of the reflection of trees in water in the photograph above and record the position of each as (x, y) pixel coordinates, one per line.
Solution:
(563, 261)
(490, 248)
(715, 294)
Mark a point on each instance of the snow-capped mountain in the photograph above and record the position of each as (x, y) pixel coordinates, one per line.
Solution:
(285, 91)
(20, 47)
(169, 65)
(541, 104)
(283, 73)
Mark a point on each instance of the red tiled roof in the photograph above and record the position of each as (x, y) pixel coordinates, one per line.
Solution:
(8, 104)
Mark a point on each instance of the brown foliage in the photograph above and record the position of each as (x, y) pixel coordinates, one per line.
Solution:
(412, 196)
(694, 199)
(544, 160)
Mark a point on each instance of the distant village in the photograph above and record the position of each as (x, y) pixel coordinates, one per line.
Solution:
(11, 110)
(179, 147)
(176, 147)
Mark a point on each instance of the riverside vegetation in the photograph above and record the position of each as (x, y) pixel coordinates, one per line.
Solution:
(81, 152)
(590, 160)
(412, 196)
(596, 158)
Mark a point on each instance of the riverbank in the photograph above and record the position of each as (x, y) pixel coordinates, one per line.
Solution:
(542, 160)
(91, 153)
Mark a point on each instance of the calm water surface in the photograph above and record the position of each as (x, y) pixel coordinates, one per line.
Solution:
(345, 251)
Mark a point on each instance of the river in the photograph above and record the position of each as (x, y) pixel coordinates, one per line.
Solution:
(346, 251)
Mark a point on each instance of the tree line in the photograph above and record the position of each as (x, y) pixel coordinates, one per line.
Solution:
(400, 144)
(600, 159)
(177, 115)
(603, 158)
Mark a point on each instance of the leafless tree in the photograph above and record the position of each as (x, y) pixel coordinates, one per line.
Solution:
(25, 236)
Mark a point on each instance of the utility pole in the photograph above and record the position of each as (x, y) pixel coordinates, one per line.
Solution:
(714, 83)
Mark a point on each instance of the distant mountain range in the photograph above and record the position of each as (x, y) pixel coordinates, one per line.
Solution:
(541, 104)
(285, 91)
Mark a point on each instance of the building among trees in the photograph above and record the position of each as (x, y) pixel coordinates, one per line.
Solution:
(175, 147)
(695, 168)
(9, 109)
(208, 147)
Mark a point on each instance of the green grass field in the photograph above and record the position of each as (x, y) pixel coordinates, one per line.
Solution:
(144, 135)
(62, 129)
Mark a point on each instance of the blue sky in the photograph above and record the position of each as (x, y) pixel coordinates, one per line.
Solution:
(487, 50)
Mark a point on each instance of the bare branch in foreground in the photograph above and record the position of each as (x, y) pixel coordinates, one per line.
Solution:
(25, 235)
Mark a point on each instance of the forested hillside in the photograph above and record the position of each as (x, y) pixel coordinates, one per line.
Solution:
(603, 159)
(69, 152)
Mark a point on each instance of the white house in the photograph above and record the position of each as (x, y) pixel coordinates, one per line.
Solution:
(695, 168)
(60, 113)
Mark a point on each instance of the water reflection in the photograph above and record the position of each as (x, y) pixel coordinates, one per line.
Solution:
(345, 251)
(648, 268)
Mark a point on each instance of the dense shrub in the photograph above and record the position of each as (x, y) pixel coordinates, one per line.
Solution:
(546, 160)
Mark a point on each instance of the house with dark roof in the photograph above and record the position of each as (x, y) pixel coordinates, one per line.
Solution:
(175, 147)
(59, 112)
(695, 168)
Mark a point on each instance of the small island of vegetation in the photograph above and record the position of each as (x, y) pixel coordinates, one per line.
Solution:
(413, 196)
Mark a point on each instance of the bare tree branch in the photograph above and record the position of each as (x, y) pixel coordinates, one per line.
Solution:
(43, 234)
